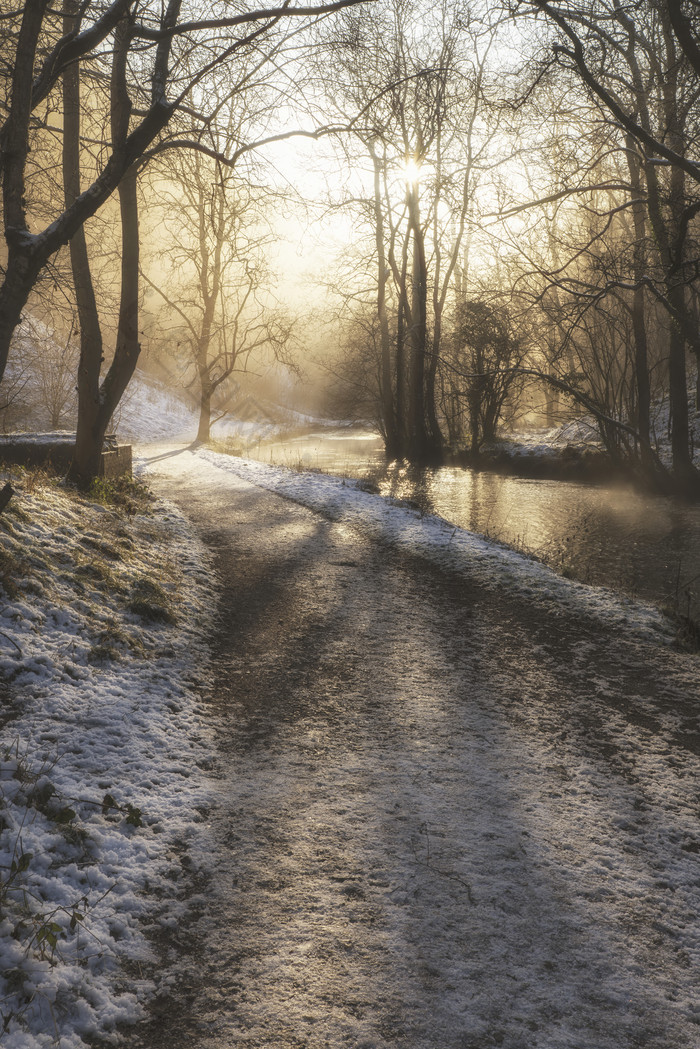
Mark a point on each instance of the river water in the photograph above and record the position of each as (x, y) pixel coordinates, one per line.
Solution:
(611, 535)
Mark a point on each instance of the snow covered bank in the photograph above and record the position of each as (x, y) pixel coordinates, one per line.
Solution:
(103, 755)
(451, 548)
(575, 448)
(153, 411)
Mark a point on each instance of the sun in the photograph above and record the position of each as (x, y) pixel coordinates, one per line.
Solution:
(410, 171)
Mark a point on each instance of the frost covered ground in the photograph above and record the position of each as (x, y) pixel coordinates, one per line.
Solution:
(151, 411)
(103, 752)
(105, 788)
(458, 798)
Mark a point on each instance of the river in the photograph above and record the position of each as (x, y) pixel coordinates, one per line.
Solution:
(612, 535)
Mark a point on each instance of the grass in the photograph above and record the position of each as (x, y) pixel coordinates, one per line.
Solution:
(149, 601)
(95, 584)
(45, 931)
(102, 546)
(11, 569)
(62, 547)
(100, 572)
(128, 494)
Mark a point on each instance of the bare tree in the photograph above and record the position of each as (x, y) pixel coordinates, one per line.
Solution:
(427, 133)
(213, 263)
(637, 65)
(490, 357)
(160, 57)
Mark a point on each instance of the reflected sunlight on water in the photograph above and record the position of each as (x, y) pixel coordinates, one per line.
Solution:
(614, 536)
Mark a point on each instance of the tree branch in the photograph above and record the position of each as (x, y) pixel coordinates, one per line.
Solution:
(577, 55)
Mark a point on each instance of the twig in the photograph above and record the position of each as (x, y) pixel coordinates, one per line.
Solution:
(12, 642)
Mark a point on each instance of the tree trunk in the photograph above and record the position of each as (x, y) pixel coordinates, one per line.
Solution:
(20, 277)
(474, 399)
(204, 373)
(391, 440)
(22, 266)
(678, 392)
(435, 434)
(96, 404)
(641, 356)
(402, 321)
(417, 433)
(204, 428)
(90, 332)
(676, 255)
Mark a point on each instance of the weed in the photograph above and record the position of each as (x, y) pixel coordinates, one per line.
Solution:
(112, 642)
(42, 932)
(10, 568)
(35, 477)
(102, 653)
(18, 513)
(128, 494)
(100, 573)
(227, 446)
(102, 547)
(150, 602)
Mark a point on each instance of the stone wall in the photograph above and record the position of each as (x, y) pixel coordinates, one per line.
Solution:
(55, 451)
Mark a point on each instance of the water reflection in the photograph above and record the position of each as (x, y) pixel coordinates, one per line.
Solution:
(342, 452)
(607, 535)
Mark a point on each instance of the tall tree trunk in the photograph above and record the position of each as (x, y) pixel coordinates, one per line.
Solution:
(435, 434)
(676, 255)
(678, 391)
(391, 440)
(641, 356)
(402, 324)
(204, 374)
(641, 374)
(205, 394)
(475, 398)
(98, 402)
(23, 266)
(90, 332)
(418, 436)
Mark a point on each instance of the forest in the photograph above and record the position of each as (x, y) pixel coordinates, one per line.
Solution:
(514, 190)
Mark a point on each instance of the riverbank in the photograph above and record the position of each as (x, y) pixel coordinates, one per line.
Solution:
(570, 463)
(575, 463)
(397, 522)
(616, 534)
(104, 615)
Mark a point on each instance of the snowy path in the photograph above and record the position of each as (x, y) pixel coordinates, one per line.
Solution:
(448, 817)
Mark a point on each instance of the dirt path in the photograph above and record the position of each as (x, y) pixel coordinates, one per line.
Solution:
(446, 820)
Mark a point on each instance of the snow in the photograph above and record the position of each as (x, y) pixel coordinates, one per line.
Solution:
(50, 437)
(103, 703)
(452, 834)
(583, 434)
(152, 411)
(106, 751)
(457, 551)
(550, 441)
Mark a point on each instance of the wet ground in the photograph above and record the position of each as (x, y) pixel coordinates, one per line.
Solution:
(446, 819)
